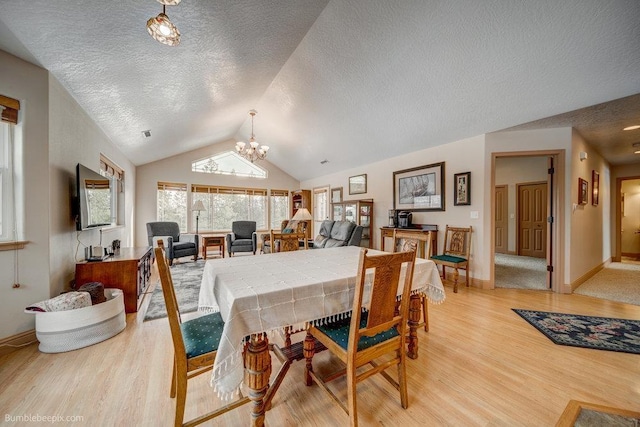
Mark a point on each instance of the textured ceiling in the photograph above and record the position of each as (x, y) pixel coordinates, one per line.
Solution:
(354, 82)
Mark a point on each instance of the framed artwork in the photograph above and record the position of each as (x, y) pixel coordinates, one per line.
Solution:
(462, 189)
(419, 189)
(358, 184)
(583, 191)
(336, 195)
(595, 187)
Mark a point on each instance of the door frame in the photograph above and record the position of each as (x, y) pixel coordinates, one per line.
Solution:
(617, 257)
(556, 189)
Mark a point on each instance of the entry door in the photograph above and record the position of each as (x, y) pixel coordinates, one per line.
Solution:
(532, 220)
(501, 219)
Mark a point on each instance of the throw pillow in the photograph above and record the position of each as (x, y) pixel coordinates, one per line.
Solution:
(96, 290)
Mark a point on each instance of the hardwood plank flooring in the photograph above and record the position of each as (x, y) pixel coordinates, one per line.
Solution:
(480, 365)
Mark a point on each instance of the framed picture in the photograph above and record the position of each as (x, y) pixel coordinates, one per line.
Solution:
(336, 195)
(583, 191)
(419, 189)
(358, 184)
(462, 189)
(595, 187)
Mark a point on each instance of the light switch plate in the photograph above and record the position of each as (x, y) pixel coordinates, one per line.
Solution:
(474, 215)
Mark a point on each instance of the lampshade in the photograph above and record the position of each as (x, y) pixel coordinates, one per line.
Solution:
(198, 206)
(161, 28)
(302, 215)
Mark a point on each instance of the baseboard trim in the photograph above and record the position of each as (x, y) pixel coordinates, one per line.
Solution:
(473, 282)
(589, 274)
(15, 342)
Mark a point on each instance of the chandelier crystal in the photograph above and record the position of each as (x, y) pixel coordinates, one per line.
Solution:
(161, 28)
(253, 151)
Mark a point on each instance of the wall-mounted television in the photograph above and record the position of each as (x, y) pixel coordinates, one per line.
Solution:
(94, 207)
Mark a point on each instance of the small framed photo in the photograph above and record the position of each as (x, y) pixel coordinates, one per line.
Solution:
(462, 189)
(336, 195)
(358, 184)
(583, 191)
(595, 187)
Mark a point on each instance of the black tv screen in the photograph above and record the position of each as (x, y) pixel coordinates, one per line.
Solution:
(94, 194)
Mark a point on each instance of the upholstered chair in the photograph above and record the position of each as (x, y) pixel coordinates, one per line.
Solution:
(243, 237)
(177, 244)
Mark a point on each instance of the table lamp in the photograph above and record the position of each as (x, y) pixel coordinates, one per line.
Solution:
(302, 214)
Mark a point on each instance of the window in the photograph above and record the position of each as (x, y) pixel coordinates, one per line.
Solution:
(116, 174)
(227, 204)
(172, 203)
(9, 200)
(278, 208)
(320, 206)
(228, 163)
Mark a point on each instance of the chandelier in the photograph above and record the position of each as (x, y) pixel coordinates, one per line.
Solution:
(254, 151)
(161, 28)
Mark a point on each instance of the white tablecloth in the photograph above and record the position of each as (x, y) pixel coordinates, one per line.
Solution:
(268, 292)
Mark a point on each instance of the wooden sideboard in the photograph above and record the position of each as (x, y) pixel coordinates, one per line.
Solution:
(424, 228)
(128, 270)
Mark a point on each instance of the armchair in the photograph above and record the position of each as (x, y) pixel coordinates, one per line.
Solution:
(177, 245)
(243, 237)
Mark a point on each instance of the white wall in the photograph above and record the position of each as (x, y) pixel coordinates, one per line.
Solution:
(57, 134)
(178, 169)
(28, 84)
(511, 171)
(459, 156)
(74, 138)
(589, 233)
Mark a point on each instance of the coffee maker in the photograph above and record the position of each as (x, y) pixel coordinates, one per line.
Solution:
(393, 218)
(404, 219)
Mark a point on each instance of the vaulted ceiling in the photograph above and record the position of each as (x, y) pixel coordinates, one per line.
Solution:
(350, 81)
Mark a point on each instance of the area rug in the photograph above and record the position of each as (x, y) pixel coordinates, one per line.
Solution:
(187, 277)
(600, 333)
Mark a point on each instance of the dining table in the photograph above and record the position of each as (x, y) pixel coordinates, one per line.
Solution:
(258, 296)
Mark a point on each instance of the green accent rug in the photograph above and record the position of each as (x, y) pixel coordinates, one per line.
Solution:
(187, 277)
(600, 333)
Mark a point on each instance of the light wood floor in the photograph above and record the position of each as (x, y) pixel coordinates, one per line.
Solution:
(480, 364)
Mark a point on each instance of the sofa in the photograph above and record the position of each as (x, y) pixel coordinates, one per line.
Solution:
(337, 233)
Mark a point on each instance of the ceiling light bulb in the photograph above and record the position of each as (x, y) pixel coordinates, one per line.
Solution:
(634, 127)
(165, 30)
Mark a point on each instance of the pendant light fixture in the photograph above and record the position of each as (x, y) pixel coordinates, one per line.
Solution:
(161, 28)
(254, 151)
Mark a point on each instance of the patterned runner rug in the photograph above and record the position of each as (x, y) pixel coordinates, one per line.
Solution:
(600, 333)
(187, 277)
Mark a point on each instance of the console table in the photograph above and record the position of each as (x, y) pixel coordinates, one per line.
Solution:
(129, 270)
(424, 228)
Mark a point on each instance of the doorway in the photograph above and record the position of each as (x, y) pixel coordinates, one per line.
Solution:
(628, 220)
(525, 204)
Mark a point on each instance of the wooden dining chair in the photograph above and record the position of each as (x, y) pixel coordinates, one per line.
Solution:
(195, 343)
(366, 335)
(457, 246)
(421, 244)
(287, 241)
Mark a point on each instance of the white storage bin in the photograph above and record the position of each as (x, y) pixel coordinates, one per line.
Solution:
(60, 331)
